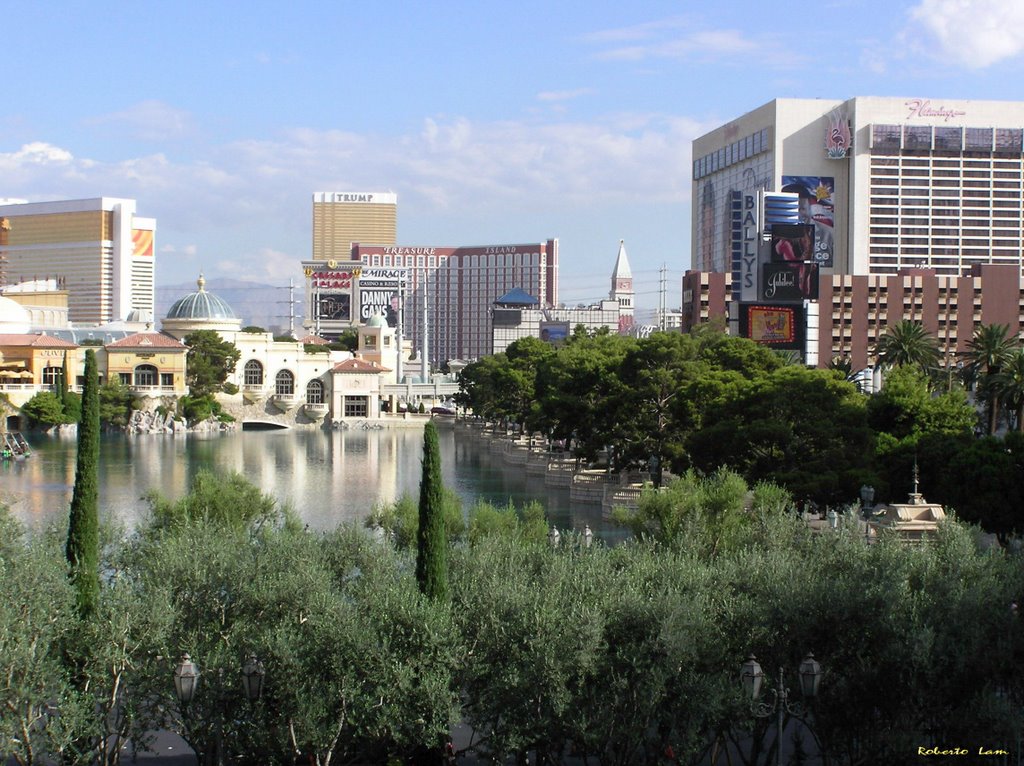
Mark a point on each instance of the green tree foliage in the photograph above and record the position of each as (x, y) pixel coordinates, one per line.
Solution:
(612, 654)
(64, 382)
(348, 340)
(503, 387)
(210, 360)
(196, 409)
(44, 409)
(432, 542)
(717, 512)
(1008, 385)
(905, 409)
(526, 524)
(229, 501)
(116, 404)
(907, 343)
(83, 530)
(37, 614)
(987, 352)
(800, 428)
(575, 390)
(400, 519)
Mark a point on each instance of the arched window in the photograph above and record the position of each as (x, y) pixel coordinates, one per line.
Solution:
(284, 384)
(315, 392)
(145, 375)
(253, 373)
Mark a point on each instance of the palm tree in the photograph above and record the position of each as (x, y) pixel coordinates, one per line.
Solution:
(1008, 384)
(907, 343)
(987, 352)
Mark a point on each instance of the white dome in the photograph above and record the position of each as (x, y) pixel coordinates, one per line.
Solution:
(14, 318)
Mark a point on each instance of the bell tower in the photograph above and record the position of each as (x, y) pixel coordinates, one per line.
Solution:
(622, 281)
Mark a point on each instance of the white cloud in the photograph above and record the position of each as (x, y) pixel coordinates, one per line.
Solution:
(974, 33)
(149, 120)
(564, 95)
(254, 196)
(37, 153)
(678, 38)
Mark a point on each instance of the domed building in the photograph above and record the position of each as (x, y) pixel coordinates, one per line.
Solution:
(200, 311)
(14, 318)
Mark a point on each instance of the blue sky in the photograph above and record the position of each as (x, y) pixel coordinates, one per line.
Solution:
(493, 122)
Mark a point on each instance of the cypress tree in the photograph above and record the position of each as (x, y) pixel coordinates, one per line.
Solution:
(432, 541)
(62, 390)
(83, 545)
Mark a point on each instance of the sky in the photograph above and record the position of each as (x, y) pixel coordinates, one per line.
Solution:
(493, 122)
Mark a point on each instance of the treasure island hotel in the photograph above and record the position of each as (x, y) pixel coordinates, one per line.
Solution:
(357, 272)
(917, 209)
(99, 249)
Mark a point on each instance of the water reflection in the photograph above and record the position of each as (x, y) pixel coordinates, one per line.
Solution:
(328, 477)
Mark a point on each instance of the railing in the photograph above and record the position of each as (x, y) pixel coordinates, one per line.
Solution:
(137, 389)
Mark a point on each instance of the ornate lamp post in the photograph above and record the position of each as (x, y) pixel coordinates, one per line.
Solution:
(252, 678)
(186, 679)
(778, 702)
(867, 497)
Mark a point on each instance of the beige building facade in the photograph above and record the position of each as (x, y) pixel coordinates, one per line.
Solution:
(100, 249)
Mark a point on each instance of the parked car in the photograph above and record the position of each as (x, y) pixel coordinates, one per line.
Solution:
(442, 411)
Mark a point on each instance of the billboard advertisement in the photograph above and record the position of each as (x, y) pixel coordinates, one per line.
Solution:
(554, 332)
(792, 246)
(778, 326)
(817, 208)
(330, 290)
(789, 282)
(335, 306)
(506, 317)
(380, 291)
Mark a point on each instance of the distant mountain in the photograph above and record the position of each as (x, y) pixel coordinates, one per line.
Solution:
(254, 303)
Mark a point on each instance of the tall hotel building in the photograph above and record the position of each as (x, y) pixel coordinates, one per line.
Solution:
(342, 218)
(460, 285)
(907, 182)
(892, 187)
(101, 250)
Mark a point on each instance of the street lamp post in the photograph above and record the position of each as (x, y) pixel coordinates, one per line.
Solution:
(186, 681)
(867, 499)
(778, 703)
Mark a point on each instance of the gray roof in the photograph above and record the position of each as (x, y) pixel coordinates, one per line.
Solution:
(200, 305)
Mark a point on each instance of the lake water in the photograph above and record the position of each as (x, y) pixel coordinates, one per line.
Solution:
(328, 477)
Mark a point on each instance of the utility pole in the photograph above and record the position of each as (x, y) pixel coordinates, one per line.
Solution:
(291, 306)
(5, 228)
(400, 319)
(662, 289)
(424, 345)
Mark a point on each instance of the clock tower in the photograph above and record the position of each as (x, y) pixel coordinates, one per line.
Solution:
(622, 281)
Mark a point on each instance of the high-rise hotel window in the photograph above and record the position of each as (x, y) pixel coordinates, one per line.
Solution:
(948, 139)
